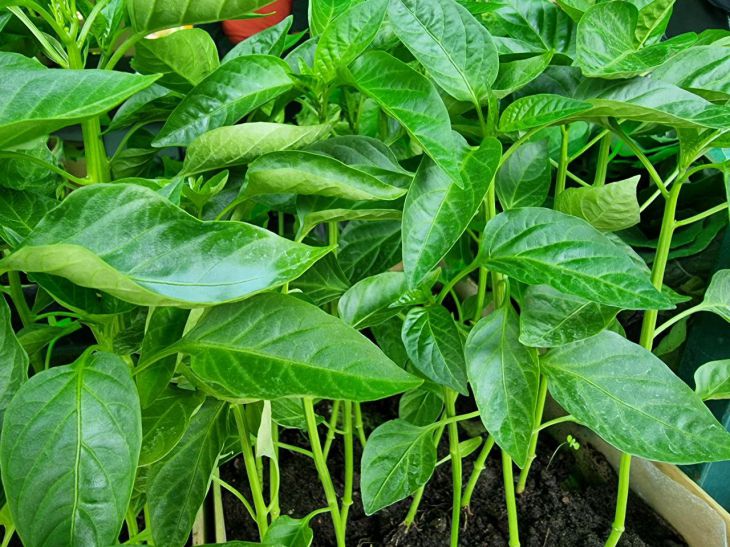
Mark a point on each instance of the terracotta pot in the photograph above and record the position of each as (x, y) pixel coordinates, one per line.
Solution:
(239, 30)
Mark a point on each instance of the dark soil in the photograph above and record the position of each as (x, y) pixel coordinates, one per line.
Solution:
(568, 503)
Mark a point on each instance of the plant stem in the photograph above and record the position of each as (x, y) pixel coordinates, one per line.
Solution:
(676, 319)
(239, 496)
(456, 471)
(453, 419)
(713, 211)
(509, 494)
(622, 498)
(274, 476)
(9, 533)
(359, 425)
(218, 516)
(602, 163)
(18, 298)
(589, 145)
(570, 175)
(332, 427)
(251, 472)
(556, 421)
(564, 161)
(541, 397)
(413, 509)
(54, 168)
(324, 474)
(454, 280)
(479, 466)
(199, 532)
(349, 465)
(618, 130)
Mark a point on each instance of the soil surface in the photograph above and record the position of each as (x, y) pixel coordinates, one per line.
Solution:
(569, 502)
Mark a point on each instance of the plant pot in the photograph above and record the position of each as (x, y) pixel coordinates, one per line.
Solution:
(239, 30)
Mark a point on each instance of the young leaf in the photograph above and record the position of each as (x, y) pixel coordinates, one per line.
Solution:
(177, 485)
(368, 248)
(413, 101)
(165, 422)
(437, 211)
(22, 211)
(289, 414)
(541, 246)
(307, 173)
(150, 15)
(631, 399)
(712, 380)
(717, 296)
(154, 103)
(270, 41)
(421, 406)
(538, 111)
(550, 318)
(224, 97)
(69, 449)
(608, 208)
(373, 300)
(126, 240)
(399, 458)
(40, 101)
(524, 179)
(504, 375)
(241, 144)
(289, 532)
(654, 16)
(704, 70)
(514, 75)
(323, 282)
(13, 360)
(184, 58)
(455, 49)
(348, 36)
(323, 12)
(435, 346)
(271, 346)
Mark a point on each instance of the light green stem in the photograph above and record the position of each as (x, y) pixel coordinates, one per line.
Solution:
(456, 466)
(479, 466)
(413, 509)
(602, 163)
(541, 397)
(218, 516)
(349, 464)
(18, 298)
(564, 161)
(509, 494)
(617, 529)
(334, 417)
(274, 477)
(359, 425)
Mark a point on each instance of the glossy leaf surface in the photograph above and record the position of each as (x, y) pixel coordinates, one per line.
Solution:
(704, 70)
(372, 300)
(712, 380)
(13, 360)
(608, 208)
(524, 179)
(539, 110)
(150, 15)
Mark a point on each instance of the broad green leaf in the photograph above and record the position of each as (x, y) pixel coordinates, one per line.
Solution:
(608, 208)
(69, 449)
(361, 152)
(127, 241)
(712, 380)
(607, 45)
(150, 15)
(631, 399)
(514, 75)
(323, 12)
(13, 360)
(184, 58)
(455, 49)
(542, 246)
(39, 102)
(575, 8)
(650, 100)
(310, 219)
(271, 346)
(413, 101)
(435, 347)
(421, 406)
(270, 41)
(165, 326)
(164, 423)
(307, 173)
(505, 376)
(22, 211)
(368, 248)
(524, 179)
(177, 485)
(373, 300)
(717, 296)
(88, 303)
(348, 36)
(289, 414)
(151, 104)
(224, 97)
(654, 16)
(323, 282)
(398, 459)
(550, 318)
(389, 340)
(20, 173)
(538, 111)
(437, 211)
(241, 144)
(286, 531)
(704, 70)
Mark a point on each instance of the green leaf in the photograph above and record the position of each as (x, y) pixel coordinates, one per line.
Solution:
(13, 360)
(435, 347)
(69, 449)
(608, 208)
(368, 248)
(165, 326)
(348, 36)
(398, 459)
(88, 303)
(184, 58)
(127, 240)
(524, 179)
(241, 144)
(177, 485)
(712, 380)
(310, 219)
(704, 70)
(421, 406)
(323, 282)
(514, 75)
(372, 300)
(654, 16)
(607, 45)
(717, 296)
(542, 246)
(388, 337)
(539, 111)
(550, 318)
(413, 101)
(150, 15)
(22, 211)
(270, 41)
(153, 103)
(164, 423)
(456, 50)
(271, 346)
(39, 102)
(289, 414)
(505, 376)
(224, 97)
(289, 532)
(437, 211)
(323, 12)
(631, 399)
(307, 173)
